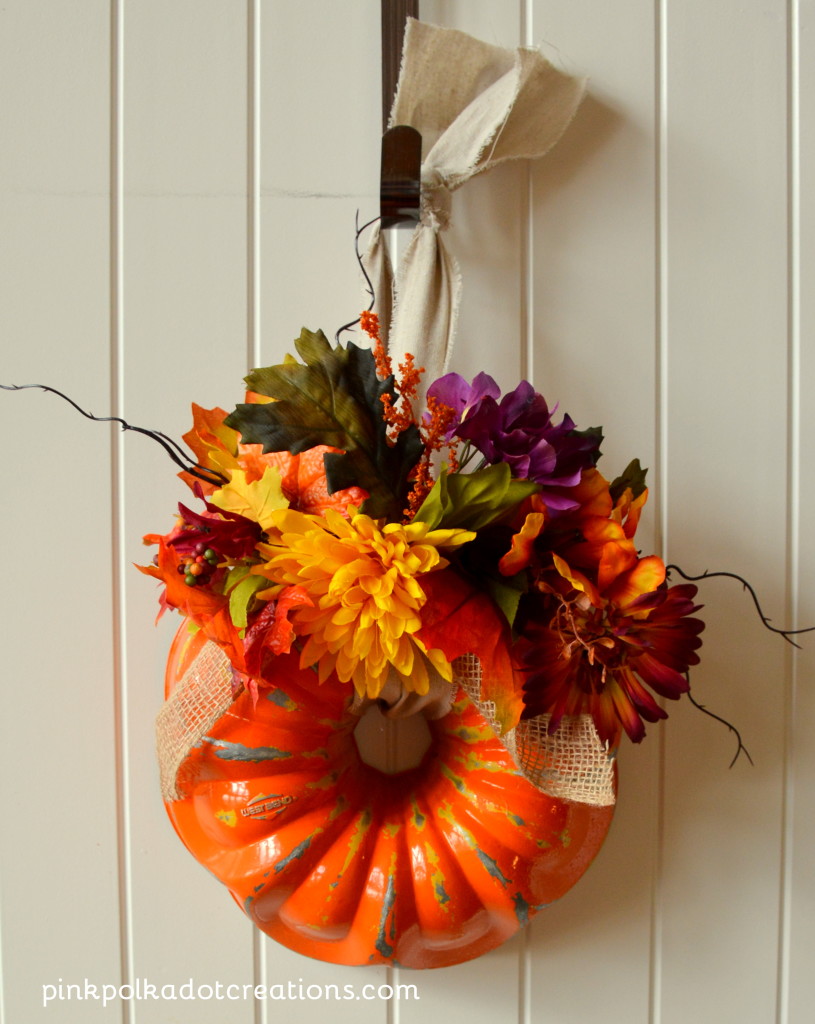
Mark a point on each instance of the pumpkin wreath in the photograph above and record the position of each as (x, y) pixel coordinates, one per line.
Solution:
(362, 537)
(466, 561)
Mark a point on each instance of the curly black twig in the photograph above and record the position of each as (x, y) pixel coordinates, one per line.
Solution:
(171, 447)
(785, 633)
(365, 274)
(741, 747)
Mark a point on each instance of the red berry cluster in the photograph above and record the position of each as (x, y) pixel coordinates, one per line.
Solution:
(198, 567)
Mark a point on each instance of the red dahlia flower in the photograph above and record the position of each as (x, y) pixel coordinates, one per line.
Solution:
(597, 651)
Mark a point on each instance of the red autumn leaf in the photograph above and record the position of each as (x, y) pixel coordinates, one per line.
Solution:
(459, 619)
(228, 533)
(272, 630)
(207, 609)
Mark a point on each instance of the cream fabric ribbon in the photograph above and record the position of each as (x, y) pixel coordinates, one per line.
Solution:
(476, 106)
(394, 701)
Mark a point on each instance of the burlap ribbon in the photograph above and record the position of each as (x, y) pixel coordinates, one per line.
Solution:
(570, 764)
(476, 106)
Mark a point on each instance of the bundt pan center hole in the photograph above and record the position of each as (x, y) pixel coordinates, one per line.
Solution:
(392, 745)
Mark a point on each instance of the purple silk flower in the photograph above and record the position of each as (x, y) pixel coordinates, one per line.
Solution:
(519, 430)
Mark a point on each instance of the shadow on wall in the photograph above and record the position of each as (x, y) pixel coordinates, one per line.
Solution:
(594, 125)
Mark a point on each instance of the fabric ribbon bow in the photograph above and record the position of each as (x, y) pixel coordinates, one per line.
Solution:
(476, 106)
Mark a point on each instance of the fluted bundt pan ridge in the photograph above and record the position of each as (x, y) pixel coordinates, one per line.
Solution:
(346, 864)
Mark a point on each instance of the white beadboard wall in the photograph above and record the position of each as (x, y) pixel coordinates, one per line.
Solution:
(178, 184)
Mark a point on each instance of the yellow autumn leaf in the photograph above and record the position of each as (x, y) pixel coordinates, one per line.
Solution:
(256, 500)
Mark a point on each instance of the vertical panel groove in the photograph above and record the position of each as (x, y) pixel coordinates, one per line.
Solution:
(392, 1014)
(661, 451)
(526, 372)
(661, 255)
(117, 493)
(253, 321)
(527, 265)
(253, 183)
(793, 493)
(2, 975)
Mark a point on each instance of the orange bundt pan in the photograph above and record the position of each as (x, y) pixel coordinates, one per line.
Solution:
(345, 864)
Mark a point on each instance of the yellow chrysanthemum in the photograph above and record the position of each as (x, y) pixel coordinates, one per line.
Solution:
(362, 578)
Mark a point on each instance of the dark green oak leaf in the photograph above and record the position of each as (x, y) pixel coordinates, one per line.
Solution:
(392, 461)
(478, 562)
(632, 476)
(595, 436)
(333, 398)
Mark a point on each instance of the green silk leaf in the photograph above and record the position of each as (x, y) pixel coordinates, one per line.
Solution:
(507, 592)
(472, 501)
(240, 597)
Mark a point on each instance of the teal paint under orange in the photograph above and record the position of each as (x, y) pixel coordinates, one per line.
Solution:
(427, 868)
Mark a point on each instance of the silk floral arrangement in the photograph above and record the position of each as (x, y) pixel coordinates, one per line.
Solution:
(383, 543)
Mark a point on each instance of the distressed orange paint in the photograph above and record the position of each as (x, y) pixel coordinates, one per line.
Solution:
(343, 863)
